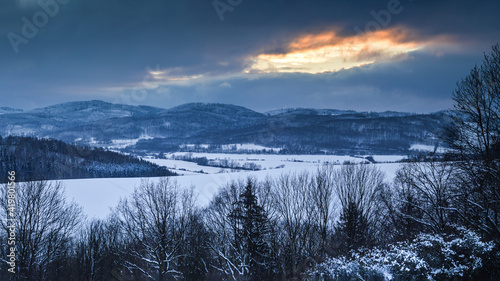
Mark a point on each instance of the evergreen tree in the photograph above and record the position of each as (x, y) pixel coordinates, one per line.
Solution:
(353, 227)
(358, 188)
(251, 229)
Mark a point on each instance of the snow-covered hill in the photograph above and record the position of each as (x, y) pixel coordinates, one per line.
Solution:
(150, 129)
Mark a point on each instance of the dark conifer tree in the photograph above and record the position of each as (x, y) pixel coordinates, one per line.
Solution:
(353, 227)
(251, 230)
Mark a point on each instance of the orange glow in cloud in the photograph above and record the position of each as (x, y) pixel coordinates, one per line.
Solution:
(330, 52)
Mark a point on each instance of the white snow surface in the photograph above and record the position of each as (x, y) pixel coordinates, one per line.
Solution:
(99, 196)
(122, 143)
(249, 146)
(427, 148)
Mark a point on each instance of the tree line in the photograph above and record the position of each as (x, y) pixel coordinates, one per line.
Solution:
(284, 228)
(49, 159)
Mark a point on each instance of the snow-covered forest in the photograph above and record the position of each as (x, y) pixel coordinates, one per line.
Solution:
(338, 223)
(50, 159)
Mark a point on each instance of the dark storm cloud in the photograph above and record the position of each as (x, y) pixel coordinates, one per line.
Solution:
(422, 84)
(90, 47)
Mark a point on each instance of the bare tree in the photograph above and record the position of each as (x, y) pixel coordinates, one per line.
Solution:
(97, 251)
(427, 195)
(324, 199)
(474, 134)
(218, 222)
(357, 187)
(475, 128)
(401, 205)
(155, 220)
(45, 223)
(296, 220)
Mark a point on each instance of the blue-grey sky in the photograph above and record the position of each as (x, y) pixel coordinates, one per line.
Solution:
(363, 55)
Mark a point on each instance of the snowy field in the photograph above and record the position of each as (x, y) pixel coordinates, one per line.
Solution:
(97, 196)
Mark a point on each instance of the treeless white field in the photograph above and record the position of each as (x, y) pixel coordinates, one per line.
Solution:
(99, 196)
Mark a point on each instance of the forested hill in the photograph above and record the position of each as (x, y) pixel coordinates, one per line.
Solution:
(300, 130)
(48, 159)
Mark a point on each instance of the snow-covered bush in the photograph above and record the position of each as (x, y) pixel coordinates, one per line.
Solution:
(428, 257)
(346, 269)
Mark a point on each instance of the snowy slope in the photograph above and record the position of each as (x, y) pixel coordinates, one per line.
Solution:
(97, 196)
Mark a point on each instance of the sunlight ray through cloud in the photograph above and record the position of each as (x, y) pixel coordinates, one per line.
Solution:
(330, 52)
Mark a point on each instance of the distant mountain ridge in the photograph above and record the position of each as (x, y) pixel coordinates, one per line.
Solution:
(216, 108)
(298, 130)
(93, 110)
(335, 112)
(311, 111)
(4, 110)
